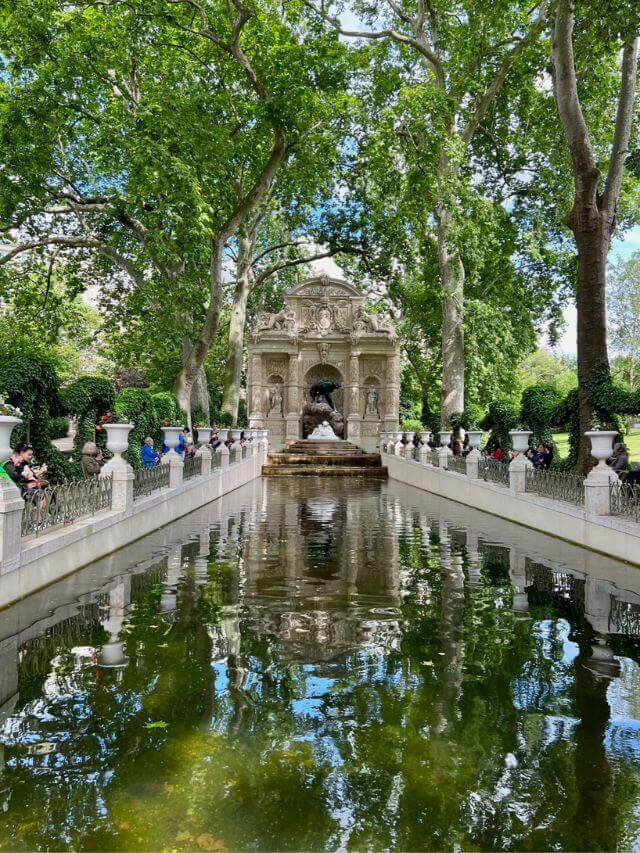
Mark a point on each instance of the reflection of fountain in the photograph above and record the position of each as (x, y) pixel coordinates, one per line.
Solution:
(321, 509)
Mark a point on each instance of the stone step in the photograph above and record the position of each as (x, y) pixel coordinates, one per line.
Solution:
(380, 473)
(365, 460)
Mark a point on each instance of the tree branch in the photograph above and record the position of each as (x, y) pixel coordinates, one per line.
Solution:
(565, 91)
(492, 90)
(624, 117)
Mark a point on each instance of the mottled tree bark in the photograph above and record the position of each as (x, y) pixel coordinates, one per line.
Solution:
(233, 373)
(452, 280)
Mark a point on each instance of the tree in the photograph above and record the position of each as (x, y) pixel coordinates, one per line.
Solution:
(592, 218)
(623, 314)
(144, 137)
(543, 367)
(454, 62)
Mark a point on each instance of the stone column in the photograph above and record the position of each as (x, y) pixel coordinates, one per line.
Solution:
(518, 577)
(391, 391)
(256, 390)
(473, 460)
(222, 450)
(293, 398)
(11, 508)
(204, 452)
(354, 416)
(118, 468)
(173, 459)
(518, 468)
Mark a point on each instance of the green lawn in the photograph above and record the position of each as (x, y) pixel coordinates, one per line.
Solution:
(632, 440)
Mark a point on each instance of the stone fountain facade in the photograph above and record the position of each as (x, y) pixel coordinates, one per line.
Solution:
(323, 331)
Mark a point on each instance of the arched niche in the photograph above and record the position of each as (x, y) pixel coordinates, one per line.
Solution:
(325, 371)
(275, 379)
(364, 391)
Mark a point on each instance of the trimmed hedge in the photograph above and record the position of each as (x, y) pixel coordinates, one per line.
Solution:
(30, 382)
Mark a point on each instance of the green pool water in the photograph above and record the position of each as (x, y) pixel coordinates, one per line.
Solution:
(322, 666)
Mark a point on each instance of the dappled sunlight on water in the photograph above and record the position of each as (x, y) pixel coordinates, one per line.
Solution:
(310, 665)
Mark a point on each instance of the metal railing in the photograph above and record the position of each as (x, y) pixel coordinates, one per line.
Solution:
(625, 500)
(457, 464)
(559, 485)
(148, 480)
(494, 471)
(64, 504)
(433, 457)
(192, 467)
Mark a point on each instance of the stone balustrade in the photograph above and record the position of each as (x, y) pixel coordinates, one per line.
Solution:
(136, 503)
(598, 511)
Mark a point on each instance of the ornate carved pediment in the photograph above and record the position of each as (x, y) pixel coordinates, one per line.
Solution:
(324, 317)
(323, 285)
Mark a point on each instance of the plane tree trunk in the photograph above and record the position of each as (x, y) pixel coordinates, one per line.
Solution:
(593, 216)
(237, 322)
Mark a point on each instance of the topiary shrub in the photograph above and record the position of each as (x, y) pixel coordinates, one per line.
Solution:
(58, 427)
(538, 408)
(135, 406)
(501, 416)
(88, 398)
(30, 382)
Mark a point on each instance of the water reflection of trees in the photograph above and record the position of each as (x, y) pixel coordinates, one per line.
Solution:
(333, 670)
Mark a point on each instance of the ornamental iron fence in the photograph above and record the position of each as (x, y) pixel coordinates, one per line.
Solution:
(148, 480)
(494, 471)
(192, 467)
(624, 500)
(64, 504)
(559, 485)
(457, 464)
(433, 455)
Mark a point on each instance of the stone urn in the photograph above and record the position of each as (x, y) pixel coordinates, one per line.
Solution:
(445, 437)
(601, 445)
(409, 436)
(235, 435)
(172, 436)
(7, 425)
(475, 438)
(204, 435)
(223, 434)
(520, 439)
(425, 437)
(118, 438)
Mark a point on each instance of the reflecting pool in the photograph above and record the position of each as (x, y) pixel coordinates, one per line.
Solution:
(311, 665)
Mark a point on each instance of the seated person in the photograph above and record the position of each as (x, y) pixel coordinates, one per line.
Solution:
(497, 453)
(20, 468)
(541, 458)
(633, 477)
(150, 457)
(619, 460)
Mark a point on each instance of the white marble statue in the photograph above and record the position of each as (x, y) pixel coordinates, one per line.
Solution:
(371, 408)
(275, 401)
(323, 432)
